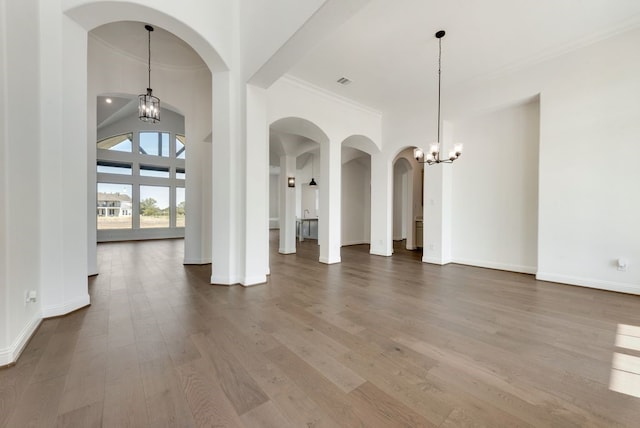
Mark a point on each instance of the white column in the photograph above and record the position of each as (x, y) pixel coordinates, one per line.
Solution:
(195, 164)
(329, 220)
(287, 211)
(381, 205)
(227, 195)
(240, 232)
(256, 249)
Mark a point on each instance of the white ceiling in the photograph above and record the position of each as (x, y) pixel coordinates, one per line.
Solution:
(131, 38)
(390, 53)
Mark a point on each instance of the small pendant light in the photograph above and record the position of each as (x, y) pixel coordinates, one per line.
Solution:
(312, 182)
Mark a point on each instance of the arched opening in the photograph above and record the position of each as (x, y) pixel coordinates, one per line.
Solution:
(407, 210)
(180, 43)
(356, 189)
(164, 180)
(295, 150)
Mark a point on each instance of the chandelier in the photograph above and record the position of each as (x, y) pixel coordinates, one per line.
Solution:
(148, 105)
(433, 155)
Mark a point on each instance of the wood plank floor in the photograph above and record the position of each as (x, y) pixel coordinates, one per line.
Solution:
(373, 342)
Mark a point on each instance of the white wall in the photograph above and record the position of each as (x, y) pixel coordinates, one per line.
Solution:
(495, 189)
(309, 196)
(337, 117)
(4, 302)
(21, 212)
(589, 173)
(356, 201)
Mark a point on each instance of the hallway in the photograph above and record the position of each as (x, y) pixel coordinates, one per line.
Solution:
(373, 341)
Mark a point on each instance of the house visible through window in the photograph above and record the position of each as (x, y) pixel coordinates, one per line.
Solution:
(114, 206)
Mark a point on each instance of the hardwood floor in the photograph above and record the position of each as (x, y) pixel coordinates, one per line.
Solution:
(373, 341)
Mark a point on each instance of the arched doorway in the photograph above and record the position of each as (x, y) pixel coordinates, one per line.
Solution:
(295, 151)
(165, 175)
(356, 189)
(407, 201)
(78, 62)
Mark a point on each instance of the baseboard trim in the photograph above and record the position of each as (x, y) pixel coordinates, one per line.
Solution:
(218, 280)
(67, 307)
(10, 355)
(286, 251)
(435, 261)
(499, 266)
(618, 287)
(346, 244)
(380, 250)
(380, 253)
(196, 262)
(254, 280)
(330, 262)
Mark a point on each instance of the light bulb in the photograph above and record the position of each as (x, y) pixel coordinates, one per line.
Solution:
(458, 149)
(452, 155)
(418, 153)
(434, 149)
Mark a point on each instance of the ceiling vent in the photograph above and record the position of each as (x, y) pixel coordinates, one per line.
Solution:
(343, 81)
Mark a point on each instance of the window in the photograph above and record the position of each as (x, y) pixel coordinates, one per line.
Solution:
(180, 146)
(154, 206)
(154, 143)
(141, 184)
(154, 171)
(114, 206)
(119, 143)
(107, 167)
(180, 207)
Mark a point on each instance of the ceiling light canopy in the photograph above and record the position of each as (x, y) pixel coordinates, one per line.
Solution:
(148, 105)
(433, 155)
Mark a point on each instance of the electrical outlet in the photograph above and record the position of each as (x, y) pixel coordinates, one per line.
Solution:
(622, 265)
(30, 296)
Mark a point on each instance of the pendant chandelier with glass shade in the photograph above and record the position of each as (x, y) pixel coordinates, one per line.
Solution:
(433, 155)
(148, 105)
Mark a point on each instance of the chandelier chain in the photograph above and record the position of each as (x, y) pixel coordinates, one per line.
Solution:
(439, 82)
(149, 56)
